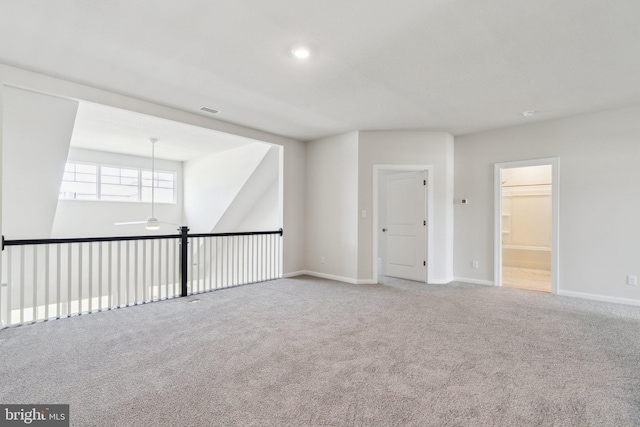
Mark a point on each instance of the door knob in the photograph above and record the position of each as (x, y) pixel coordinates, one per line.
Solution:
(384, 229)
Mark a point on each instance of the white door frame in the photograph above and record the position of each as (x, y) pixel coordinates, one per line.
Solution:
(555, 216)
(429, 210)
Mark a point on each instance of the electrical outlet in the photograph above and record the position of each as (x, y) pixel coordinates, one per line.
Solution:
(474, 264)
(321, 260)
(632, 280)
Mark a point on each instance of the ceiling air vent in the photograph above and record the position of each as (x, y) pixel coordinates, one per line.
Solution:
(209, 110)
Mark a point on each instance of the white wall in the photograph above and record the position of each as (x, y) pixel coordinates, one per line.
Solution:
(254, 207)
(294, 157)
(332, 207)
(340, 186)
(98, 217)
(599, 204)
(211, 183)
(37, 132)
(408, 148)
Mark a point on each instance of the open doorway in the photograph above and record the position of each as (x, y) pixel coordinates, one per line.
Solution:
(402, 222)
(526, 219)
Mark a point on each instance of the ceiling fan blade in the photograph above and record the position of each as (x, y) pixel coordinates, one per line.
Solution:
(130, 223)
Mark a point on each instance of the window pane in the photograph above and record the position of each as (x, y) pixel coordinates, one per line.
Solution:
(131, 173)
(79, 182)
(119, 192)
(106, 179)
(129, 181)
(77, 190)
(91, 169)
(106, 170)
(85, 177)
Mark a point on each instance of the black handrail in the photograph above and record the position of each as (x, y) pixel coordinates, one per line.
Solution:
(21, 242)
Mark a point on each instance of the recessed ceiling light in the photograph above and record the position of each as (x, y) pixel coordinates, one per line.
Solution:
(301, 52)
(528, 113)
(209, 110)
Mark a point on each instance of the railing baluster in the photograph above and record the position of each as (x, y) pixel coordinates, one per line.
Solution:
(241, 259)
(194, 286)
(144, 271)
(100, 303)
(69, 275)
(79, 278)
(119, 273)
(159, 269)
(34, 310)
(90, 277)
(176, 278)
(212, 261)
(197, 261)
(279, 239)
(236, 256)
(135, 273)
(127, 267)
(166, 272)
(204, 264)
(22, 284)
(229, 261)
(58, 281)
(9, 286)
(218, 261)
(225, 268)
(151, 268)
(110, 276)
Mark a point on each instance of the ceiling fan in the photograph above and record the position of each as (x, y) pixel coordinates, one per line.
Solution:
(152, 223)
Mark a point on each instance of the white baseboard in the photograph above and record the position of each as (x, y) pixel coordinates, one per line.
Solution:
(294, 274)
(603, 298)
(331, 277)
(474, 281)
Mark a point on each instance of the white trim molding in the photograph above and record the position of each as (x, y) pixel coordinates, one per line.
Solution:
(293, 274)
(603, 298)
(474, 281)
(331, 277)
(555, 214)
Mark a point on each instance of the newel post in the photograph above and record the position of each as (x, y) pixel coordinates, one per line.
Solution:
(184, 268)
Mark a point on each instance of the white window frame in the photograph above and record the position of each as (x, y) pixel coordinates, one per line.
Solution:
(140, 171)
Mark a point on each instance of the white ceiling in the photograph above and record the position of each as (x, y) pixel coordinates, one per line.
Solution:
(447, 65)
(98, 127)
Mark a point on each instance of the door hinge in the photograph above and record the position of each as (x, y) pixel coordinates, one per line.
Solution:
(424, 182)
(424, 263)
(424, 222)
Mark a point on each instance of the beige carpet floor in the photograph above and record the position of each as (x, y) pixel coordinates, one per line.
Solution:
(313, 352)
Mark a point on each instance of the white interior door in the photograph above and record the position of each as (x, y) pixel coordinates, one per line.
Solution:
(404, 227)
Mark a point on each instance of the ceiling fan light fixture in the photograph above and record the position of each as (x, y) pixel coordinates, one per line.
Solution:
(152, 223)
